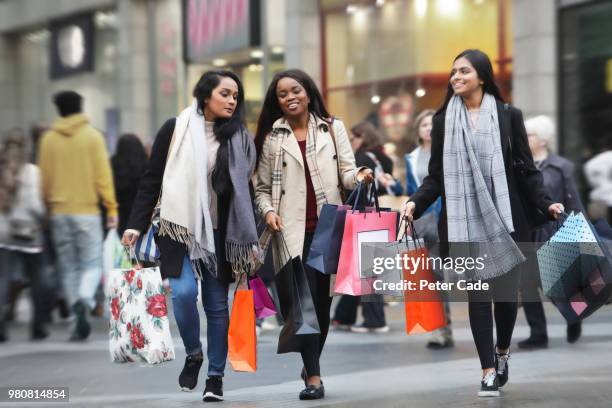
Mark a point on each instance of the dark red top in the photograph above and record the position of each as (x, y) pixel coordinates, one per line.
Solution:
(311, 200)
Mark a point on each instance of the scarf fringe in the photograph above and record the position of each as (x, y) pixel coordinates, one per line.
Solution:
(199, 257)
(243, 256)
(175, 232)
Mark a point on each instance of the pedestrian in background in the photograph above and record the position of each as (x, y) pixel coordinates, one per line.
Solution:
(21, 218)
(129, 163)
(417, 168)
(76, 175)
(471, 169)
(290, 192)
(559, 184)
(199, 170)
(366, 143)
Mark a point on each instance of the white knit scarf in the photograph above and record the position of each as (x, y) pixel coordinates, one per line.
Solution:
(185, 213)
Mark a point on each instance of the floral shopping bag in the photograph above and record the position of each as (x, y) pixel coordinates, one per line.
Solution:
(139, 325)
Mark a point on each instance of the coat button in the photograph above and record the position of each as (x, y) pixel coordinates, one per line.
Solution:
(283, 192)
(284, 164)
(335, 157)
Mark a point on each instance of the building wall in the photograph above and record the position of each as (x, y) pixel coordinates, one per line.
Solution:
(20, 14)
(303, 41)
(534, 60)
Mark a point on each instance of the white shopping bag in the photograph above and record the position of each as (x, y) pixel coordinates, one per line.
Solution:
(139, 325)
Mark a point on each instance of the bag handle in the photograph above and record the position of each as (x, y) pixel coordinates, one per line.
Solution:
(133, 256)
(333, 136)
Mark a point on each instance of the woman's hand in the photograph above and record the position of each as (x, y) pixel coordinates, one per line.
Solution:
(366, 175)
(129, 237)
(408, 210)
(273, 221)
(556, 210)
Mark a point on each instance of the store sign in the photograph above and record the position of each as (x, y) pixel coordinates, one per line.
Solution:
(213, 27)
(72, 46)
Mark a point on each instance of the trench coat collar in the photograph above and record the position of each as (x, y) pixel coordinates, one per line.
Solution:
(290, 144)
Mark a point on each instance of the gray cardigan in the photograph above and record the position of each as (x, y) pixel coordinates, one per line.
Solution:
(28, 207)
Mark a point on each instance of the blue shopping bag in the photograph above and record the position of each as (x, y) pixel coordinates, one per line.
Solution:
(146, 248)
(575, 262)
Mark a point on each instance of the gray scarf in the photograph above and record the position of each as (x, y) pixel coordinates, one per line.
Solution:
(242, 241)
(477, 198)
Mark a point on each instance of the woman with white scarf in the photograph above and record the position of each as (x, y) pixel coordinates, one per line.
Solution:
(477, 144)
(199, 173)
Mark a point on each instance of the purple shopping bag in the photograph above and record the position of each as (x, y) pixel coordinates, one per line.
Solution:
(264, 306)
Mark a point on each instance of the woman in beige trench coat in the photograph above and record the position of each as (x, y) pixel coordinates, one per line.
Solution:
(297, 173)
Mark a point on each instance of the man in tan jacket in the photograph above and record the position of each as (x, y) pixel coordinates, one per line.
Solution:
(76, 176)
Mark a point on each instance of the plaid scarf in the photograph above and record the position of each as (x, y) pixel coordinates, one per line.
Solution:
(477, 197)
(280, 131)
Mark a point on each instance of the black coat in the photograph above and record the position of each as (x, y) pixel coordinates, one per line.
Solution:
(512, 128)
(172, 253)
(557, 173)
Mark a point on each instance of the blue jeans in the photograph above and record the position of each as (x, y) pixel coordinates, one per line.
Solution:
(78, 245)
(214, 299)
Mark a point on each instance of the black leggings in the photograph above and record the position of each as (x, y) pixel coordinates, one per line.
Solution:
(319, 286)
(481, 316)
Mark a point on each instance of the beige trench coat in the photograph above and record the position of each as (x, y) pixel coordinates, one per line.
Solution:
(293, 201)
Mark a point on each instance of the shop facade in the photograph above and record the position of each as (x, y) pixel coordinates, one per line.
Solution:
(385, 61)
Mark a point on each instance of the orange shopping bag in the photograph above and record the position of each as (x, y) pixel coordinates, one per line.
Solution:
(241, 337)
(424, 308)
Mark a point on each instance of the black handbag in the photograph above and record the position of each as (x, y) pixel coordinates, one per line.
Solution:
(536, 218)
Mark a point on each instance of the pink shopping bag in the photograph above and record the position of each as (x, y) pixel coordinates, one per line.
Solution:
(361, 227)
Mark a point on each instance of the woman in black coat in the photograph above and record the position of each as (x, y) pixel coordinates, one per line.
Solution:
(497, 132)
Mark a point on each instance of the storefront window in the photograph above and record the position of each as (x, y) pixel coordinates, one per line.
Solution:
(388, 60)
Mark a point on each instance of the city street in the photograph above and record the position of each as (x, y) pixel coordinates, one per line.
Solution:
(382, 370)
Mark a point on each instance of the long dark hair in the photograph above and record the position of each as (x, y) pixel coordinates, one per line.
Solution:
(271, 110)
(482, 64)
(130, 158)
(224, 129)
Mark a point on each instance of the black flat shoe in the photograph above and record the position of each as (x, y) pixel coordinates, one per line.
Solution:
(312, 392)
(533, 343)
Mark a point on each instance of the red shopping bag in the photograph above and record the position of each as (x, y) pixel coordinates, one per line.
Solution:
(360, 227)
(241, 337)
(424, 308)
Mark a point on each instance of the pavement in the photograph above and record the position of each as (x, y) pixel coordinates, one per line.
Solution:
(359, 370)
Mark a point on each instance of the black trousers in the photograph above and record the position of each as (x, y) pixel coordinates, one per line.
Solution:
(372, 310)
(483, 307)
(319, 286)
(534, 310)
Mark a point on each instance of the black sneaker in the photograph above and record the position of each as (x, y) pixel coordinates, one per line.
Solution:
(574, 331)
(82, 329)
(312, 392)
(501, 366)
(188, 379)
(489, 386)
(214, 389)
(533, 343)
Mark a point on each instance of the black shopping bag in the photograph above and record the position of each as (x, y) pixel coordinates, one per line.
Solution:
(296, 303)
